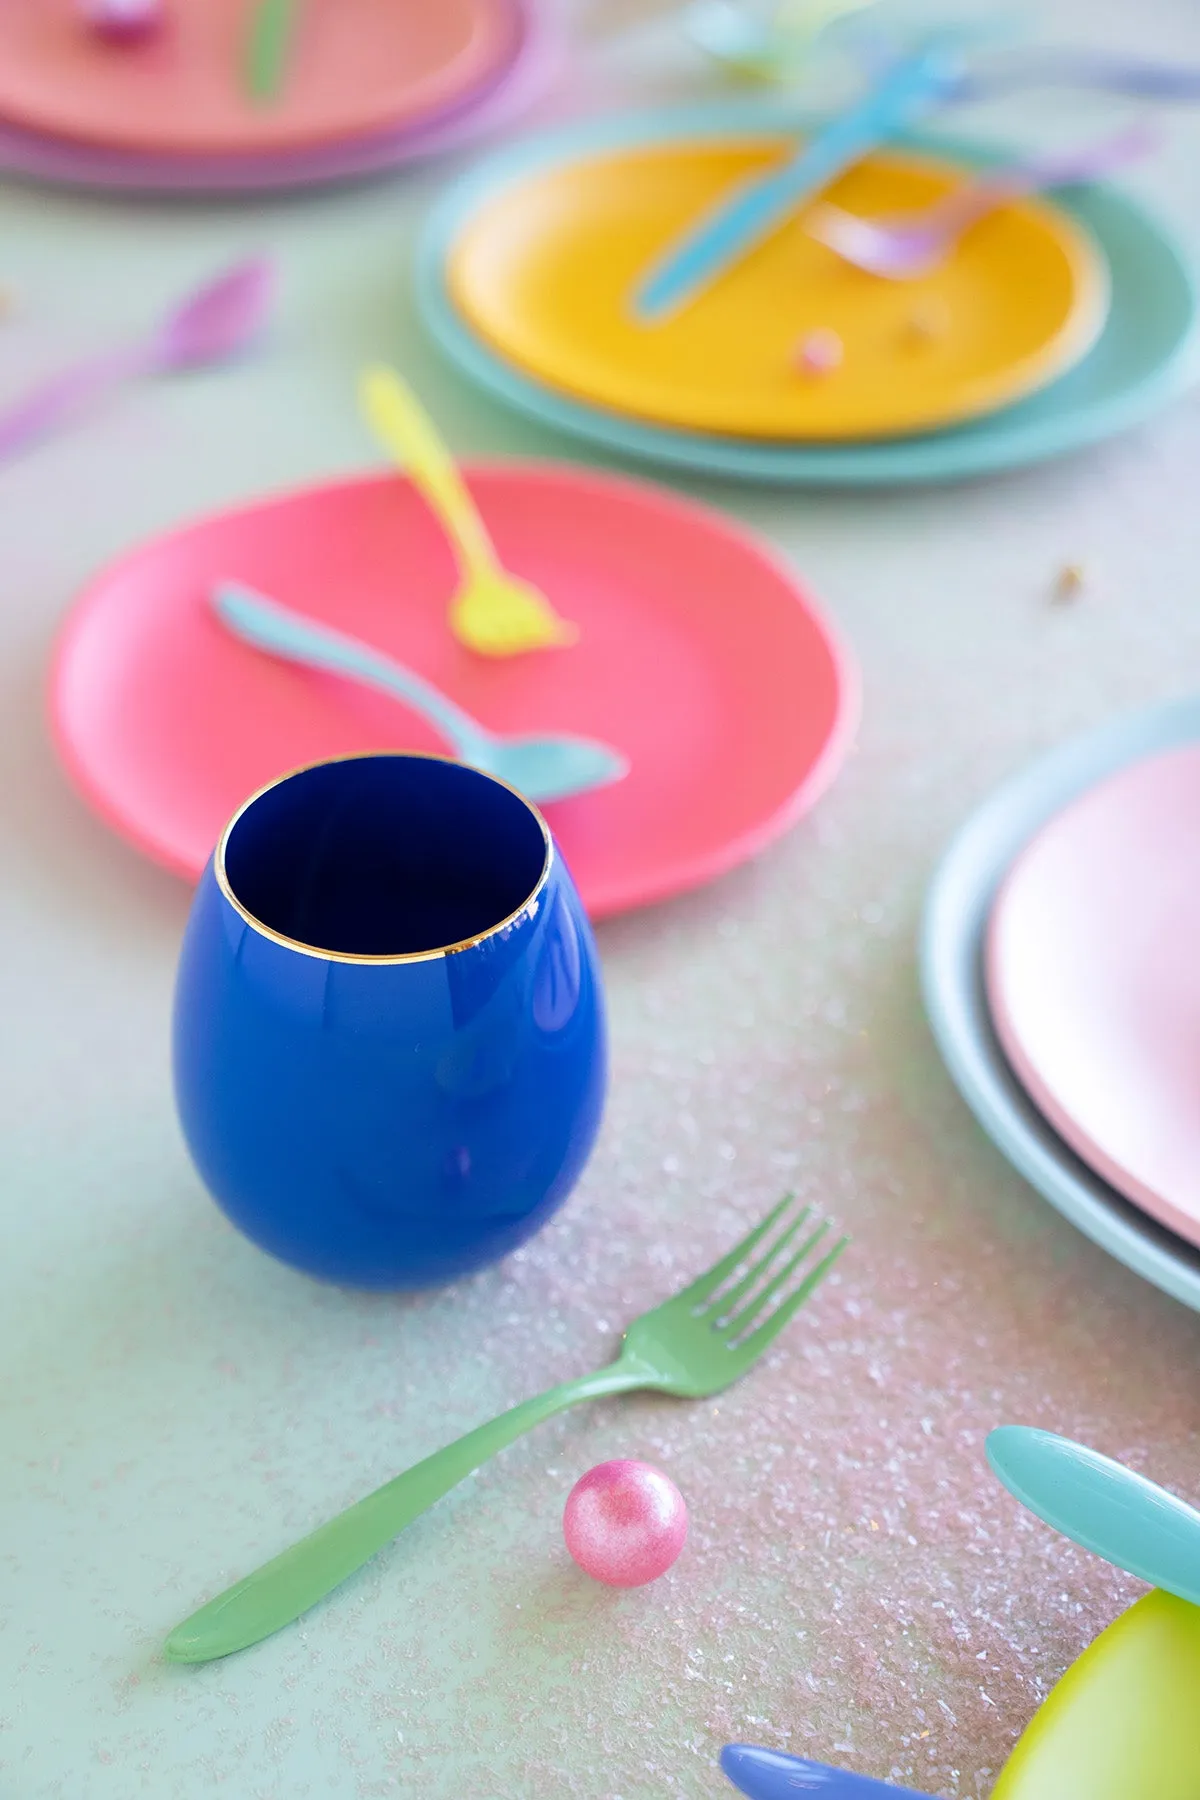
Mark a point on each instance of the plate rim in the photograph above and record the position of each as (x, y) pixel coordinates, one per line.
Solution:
(1087, 1144)
(684, 875)
(1069, 342)
(939, 456)
(509, 26)
(30, 156)
(951, 947)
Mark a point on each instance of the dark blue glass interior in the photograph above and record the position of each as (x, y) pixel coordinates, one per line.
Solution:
(385, 856)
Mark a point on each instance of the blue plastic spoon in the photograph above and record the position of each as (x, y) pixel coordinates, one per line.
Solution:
(755, 208)
(1102, 1505)
(541, 768)
(770, 1775)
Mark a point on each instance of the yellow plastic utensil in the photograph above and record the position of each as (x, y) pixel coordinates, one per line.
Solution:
(1124, 1721)
(493, 612)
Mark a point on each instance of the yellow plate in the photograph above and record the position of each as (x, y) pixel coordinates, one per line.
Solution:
(1124, 1721)
(545, 270)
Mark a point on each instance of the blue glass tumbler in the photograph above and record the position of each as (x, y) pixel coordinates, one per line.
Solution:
(389, 1036)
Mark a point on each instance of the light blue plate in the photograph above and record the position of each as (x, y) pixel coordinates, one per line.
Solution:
(952, 934)
(1145, 356)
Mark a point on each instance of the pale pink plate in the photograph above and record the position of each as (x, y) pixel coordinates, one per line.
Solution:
(358, 67)
(1093, 978)
(701, 658)
(485, 109)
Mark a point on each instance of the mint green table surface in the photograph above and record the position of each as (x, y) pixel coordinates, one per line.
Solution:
(174, 1407)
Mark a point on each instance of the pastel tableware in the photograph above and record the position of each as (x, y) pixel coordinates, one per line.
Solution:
(539, 273)
(216, 321)
(494, 101)
(774, 47)
(773, 1775)
(541, 768)
(272, 29)
(691, 1346)
(625, 1523)
(907, 245)
(1145, 356)
(491, 611)
(359, 68)
(1123, 1723)
(389, 1026)
(1101, 1505)
(1093, 987)
(733, 719)
(953, 933)
(750, 205)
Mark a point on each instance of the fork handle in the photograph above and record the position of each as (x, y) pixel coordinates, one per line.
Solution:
(405, 429)
(277, 1593)
(1087, 162)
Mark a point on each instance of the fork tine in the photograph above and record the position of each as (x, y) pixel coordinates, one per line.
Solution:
(729, 1301)
(741, 1320)
(752, 1347)
(706, 1284)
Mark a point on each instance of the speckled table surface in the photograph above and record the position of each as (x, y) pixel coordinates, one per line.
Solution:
(176, 1407)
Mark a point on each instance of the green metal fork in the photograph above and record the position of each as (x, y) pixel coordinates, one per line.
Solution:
(692, 1346)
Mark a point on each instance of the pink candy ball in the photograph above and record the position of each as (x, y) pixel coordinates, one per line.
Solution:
(122, 21)
(625, 1523)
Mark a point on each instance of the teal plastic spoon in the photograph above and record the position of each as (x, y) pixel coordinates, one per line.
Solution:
(1102, 1505)
(542, 768)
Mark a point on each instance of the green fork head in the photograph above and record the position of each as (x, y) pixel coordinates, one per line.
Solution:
(706, 1337)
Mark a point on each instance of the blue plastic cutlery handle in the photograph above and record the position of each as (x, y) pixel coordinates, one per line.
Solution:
(269, 626)
(757, 207)
(1102, 1505)
(770, 1775)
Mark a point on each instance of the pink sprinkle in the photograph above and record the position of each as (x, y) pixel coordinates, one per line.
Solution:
(820, 352)
(625, 1523)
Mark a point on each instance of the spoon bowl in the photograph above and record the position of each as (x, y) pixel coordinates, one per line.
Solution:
(553, 768)
(542, 767)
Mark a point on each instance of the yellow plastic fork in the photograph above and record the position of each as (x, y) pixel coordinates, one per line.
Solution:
(493, 612)
(693, 1345)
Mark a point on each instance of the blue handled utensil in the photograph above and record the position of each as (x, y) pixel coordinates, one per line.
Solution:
(545, 767)
(1102, 1506)
(770, 1775)
(755, 208)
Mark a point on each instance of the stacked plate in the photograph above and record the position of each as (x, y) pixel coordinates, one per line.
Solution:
(366, 88)
(1062, 984)
(1050, 325)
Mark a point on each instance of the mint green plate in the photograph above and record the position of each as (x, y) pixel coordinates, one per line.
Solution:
(1146, 355)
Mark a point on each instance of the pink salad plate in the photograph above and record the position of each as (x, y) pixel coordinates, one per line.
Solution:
(499, 103)
(358, 68)
(1093, 980)
(54, 160)
(701, 658)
